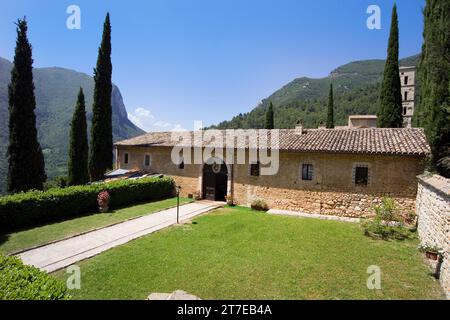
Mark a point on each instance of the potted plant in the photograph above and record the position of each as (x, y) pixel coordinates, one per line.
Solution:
(229, 199)
(431, 252)
(103, 201)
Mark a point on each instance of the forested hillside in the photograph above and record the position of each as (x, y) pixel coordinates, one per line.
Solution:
(56, 94)
(356, 89)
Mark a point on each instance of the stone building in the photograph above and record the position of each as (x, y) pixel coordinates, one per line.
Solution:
(408, 81)
(338, 172)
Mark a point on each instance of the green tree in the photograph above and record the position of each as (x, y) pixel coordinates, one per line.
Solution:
(269, 124)
(434, 76)
(101, 148)
(390, 109)
(78, 152)
(330, 110)
(26, 168)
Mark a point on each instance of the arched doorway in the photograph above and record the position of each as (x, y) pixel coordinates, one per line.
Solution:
(215, 181)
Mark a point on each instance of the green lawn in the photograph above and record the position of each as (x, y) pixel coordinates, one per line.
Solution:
(236, 253)
(25, 239)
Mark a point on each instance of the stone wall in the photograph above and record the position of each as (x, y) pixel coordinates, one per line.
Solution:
(331, 191)
(433, 209)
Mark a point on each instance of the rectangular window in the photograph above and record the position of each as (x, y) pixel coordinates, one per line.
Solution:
(254, 169)
(361, 175)
(125, 158)
(307, 171)
(147, 160)
(406, 95)
(406, 79)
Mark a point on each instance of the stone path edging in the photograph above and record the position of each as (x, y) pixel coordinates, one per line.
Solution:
(312, 215)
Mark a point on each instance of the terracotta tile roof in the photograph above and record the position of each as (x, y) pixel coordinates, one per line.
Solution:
(406, 141)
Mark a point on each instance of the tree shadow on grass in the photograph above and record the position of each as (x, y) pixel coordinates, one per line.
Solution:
(4, 237)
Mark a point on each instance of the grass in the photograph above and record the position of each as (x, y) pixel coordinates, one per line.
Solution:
(13, 242)
(236, 253)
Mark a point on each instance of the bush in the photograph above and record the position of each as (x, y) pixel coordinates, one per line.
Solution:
(386, 223)
(57, 182)
(38, 207)
(21, 282)
(259, 205)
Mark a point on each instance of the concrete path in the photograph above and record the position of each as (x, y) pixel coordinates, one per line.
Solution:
(63, 253)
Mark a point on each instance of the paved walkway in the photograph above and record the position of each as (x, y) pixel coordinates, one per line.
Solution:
(63, 253)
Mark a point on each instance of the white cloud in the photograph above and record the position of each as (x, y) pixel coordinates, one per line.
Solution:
(145, 120)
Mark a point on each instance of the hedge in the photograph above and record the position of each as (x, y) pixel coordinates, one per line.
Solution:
(21, 282)
(38, 207)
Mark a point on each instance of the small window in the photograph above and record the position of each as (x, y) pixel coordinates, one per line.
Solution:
(147, 160)
(307, 171)
(406, 79)
(361, 175)
(406, 95)
(404, 110)
(254, 169)
(125, 158)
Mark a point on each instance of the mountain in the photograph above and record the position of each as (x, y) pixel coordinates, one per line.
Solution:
(356, 90)
(56, 94)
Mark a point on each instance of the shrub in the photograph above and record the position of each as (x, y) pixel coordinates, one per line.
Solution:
(57, 182)
(21, 282)
(386, 223)
(386, 211)
(38, 207)
(259, 205)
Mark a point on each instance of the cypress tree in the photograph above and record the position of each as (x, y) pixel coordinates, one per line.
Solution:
(330, 111)
(101, 149)
(434, 76)
(26, 168)
(269, 118)
(78, 152)
(390, 109)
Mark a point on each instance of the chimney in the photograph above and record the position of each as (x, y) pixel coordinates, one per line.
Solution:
(322, 125)
(299, 126)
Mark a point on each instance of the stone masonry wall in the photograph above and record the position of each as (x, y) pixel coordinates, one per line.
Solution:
(331, 191)
(433, 209)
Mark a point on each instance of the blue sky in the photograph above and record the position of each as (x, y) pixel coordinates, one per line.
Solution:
(180, 61)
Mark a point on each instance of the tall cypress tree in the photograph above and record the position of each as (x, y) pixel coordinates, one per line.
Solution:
(101, 149)
(78, 152)
(269, 118)
(434, 75)
(330, 111)
(26, 168)
(390, 109)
